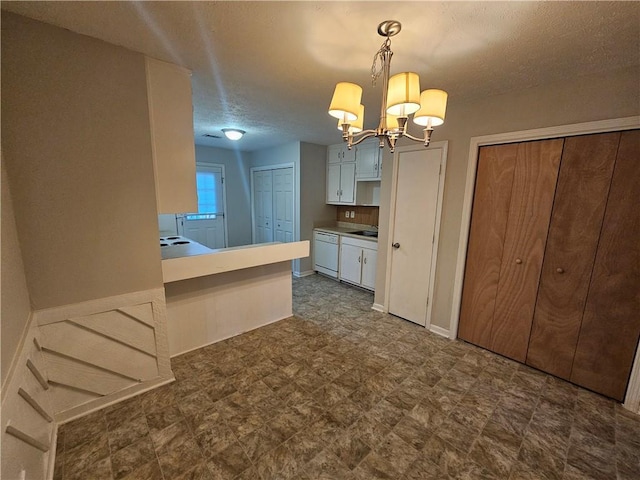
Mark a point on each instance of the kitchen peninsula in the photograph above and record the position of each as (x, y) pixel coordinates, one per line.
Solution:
(221, 293)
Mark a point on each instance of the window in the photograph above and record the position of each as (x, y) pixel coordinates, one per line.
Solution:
(209, 187)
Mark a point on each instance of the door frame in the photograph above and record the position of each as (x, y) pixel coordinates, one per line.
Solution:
(632, 399)
(444, 145)
(253, 212)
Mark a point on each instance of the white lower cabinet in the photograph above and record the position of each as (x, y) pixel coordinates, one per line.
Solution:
(358, 260)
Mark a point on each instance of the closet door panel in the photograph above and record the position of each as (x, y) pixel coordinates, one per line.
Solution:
(578, 210)
(611, 323)
(534, 187)
(494, 179)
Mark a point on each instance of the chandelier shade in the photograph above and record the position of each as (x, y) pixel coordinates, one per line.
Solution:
(345, 103)
(433, 105)
(403, 98)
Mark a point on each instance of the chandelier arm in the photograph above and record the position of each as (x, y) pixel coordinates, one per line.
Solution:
(408, 135)
(426, 139)
(361, 136)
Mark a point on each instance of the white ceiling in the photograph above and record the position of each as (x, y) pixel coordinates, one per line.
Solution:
(270, 67)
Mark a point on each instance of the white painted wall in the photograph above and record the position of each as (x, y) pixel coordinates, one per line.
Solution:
(574, 100)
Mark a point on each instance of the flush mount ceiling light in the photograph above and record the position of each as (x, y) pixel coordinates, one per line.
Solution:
(401, 97)
(233, 133)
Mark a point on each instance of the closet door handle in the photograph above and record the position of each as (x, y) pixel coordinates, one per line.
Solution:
(518, 261)
(560, 270)
(396, 245)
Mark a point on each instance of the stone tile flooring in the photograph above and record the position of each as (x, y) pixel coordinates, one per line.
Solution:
(342, 392)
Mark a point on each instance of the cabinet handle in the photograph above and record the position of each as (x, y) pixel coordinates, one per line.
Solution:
(560, 270)
(518, 261)
(358, 259)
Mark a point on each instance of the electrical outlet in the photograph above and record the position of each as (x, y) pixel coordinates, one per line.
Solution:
(353, 214)
(346, 214)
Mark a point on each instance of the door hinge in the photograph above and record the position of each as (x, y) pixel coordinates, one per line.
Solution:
(440, 170)
(222, 180)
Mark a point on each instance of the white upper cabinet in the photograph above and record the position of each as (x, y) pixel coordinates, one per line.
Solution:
(368, 159)
(340, 153)
(171, 119)
(341, 171)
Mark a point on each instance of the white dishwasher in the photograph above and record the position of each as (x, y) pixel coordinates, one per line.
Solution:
(325, 253)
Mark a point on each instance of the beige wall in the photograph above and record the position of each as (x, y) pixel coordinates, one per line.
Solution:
(77, 147)
(15, 297)
(575, 100)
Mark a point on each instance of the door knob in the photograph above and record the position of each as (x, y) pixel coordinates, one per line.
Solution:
(518, 261)
(396, 245)
(560, 270)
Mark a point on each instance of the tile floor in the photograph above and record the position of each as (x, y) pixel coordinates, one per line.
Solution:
(342, 392)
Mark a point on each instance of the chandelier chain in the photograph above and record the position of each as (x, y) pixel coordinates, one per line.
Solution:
(379, 57)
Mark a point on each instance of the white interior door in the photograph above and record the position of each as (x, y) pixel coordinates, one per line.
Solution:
(273, 200)
(283, 204)
(263, 206)
(207, 226)
(413, 234)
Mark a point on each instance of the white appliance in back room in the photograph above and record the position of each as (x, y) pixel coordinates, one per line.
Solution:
(325, 253)
(167, 225)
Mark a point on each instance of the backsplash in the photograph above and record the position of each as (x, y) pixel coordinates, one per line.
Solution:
(362, 215)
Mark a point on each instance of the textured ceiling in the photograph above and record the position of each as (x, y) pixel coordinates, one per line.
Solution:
(270, 67)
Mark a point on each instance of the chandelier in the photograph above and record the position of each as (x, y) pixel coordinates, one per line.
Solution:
(401, 97)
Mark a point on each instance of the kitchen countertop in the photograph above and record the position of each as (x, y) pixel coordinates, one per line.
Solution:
(347, 232)
(229, 259)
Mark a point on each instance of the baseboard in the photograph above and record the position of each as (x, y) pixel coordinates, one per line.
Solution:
(94, 406)
(230, 336)
(378, 308)
(303, 274)
(443, 332)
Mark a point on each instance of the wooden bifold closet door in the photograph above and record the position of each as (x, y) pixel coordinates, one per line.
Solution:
(553, 264)
(581, 198)
(611, 323)
(511, 211)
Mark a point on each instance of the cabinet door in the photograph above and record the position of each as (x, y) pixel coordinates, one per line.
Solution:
(611, 325)
(350, 263)
(534, 184)
(348, 155)
(491, 200)
(334, 153)
(333, 183)
(369, 260)
(367, 161)
(578, 210)
(347, 183)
